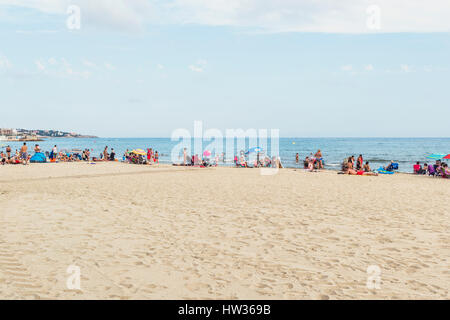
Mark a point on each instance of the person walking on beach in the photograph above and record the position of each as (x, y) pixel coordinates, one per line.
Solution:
(156, 157)
(296, 158)
(24, 153)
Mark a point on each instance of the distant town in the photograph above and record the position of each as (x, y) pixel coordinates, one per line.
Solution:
(7, 134)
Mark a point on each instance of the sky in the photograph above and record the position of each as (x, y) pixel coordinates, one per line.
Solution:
(144, 68)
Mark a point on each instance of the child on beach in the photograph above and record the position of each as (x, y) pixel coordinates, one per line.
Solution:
(156, 157)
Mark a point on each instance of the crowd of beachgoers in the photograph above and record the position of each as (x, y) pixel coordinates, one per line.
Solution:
(253, 158)
(438, 169)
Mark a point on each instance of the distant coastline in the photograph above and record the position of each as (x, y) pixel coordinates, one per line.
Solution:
(7, 134)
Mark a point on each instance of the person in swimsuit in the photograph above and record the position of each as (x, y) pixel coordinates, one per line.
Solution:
(296, 158)
(156, 157)
(319, 159)
(24, 153)
(8, 153)
(359, 162)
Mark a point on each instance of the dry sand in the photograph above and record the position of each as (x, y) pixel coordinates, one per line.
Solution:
(139, 232)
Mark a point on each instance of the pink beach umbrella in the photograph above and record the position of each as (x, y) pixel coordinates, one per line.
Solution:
(206, 153)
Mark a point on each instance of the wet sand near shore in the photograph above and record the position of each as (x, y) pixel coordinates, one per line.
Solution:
(163, 232)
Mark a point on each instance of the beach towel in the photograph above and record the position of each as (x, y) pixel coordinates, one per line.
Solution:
(382, 171)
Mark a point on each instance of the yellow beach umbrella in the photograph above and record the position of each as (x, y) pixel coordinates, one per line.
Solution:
(139, 152)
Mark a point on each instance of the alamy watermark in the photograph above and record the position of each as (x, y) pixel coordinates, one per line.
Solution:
(73, 21)
(373, 21)
(252, 147)
(373, 277)
(74, 280)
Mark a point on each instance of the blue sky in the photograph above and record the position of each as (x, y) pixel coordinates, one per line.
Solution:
(128, 72)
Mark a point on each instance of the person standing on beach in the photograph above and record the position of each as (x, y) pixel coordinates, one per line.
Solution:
(359, 162)
(8, 152)
(156, 157)
(296, 158)
(54, 152)
(319, 159)
(24, 153)
(105, 154)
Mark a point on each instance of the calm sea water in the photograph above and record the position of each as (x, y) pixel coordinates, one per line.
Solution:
(378, 151)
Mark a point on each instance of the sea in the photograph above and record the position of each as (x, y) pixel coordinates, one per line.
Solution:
(378, 151)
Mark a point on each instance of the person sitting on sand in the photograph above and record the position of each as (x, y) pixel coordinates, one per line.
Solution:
(242, 162)
(417, 167)
(367, 167)
(306, 163)
(444, 171)
(112, 155)
(424, 169)
(390, 167)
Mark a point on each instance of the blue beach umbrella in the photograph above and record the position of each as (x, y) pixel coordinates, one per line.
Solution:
(253, 150)
(436, 156)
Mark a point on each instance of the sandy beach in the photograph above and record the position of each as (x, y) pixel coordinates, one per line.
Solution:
(144, 232)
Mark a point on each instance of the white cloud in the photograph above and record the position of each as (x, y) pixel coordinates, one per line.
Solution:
(199, 66)
(60, 68)
(330, 16)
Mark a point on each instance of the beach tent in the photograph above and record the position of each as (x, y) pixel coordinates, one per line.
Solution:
(38, 158)
(447, 156)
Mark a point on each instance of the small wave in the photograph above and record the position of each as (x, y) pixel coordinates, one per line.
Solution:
(332, 164)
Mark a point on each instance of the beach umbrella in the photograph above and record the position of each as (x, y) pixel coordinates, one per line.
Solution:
(139, 152)
(436, 156)
(447, 156)
(255, 149)
(207, 153)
